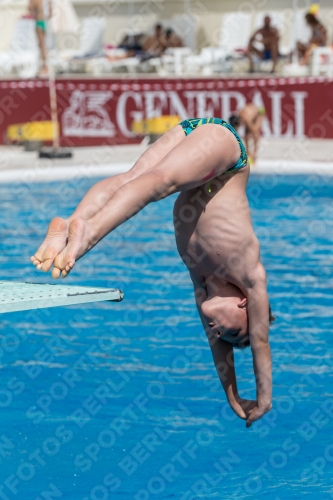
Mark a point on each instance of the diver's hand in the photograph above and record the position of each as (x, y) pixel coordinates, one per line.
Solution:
(256, 413)
(242, 407)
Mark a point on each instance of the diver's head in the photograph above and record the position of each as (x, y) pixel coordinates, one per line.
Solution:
(227, 319)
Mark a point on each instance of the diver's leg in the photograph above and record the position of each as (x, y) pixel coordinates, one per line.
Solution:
(42, 45)
(102, 192)
(99, 195)
(252, 50)
(207, 153)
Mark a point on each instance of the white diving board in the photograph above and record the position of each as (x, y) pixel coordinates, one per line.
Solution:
(16, 296)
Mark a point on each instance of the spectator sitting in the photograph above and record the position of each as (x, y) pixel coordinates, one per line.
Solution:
(156, 44)
(132, 43)
(318, 39)
(172, 39)
(265, 44)
(141, 46)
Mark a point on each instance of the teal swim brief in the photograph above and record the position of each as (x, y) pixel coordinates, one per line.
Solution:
(192, 123)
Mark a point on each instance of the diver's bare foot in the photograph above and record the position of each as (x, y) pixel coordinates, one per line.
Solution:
(76, 247)
(54, 243)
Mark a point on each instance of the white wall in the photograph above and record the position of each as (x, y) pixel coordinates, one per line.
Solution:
(141, 15)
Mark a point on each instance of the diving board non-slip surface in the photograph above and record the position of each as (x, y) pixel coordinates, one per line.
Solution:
(16, 296)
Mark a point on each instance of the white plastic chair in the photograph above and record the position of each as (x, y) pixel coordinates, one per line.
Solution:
(23, 55)
(234, 37)
(173, 61)
(235, 31)
(322, 61)
(186, 26)
(301, 30)
(210, 60)
(130, 64)
(91, 36)
(90, 45)
(102, 65)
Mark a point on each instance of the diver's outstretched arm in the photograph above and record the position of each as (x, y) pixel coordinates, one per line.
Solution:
(223, 357)
(258, 313)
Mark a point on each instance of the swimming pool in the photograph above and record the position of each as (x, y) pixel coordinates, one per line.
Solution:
(122, 400)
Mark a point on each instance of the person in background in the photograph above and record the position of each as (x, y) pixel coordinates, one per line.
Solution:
(132, 44)
(318, 39)
(252, 117)
(147, 47)
(156, 44)
(264, 43)
(172, 39)
(36, 9)
(141, 46)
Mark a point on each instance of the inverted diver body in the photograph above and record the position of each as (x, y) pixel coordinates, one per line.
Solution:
(229, 281)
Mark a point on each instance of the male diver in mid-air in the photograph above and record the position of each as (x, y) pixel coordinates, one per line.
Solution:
(205, 162)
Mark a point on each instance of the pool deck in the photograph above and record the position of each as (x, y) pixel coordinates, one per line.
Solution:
(276, 156)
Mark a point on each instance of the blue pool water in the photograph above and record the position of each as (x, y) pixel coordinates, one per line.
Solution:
(122, 400)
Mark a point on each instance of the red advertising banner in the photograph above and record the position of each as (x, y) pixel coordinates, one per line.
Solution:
(96, 112)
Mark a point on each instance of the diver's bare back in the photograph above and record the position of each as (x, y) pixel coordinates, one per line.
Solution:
(214, 231)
